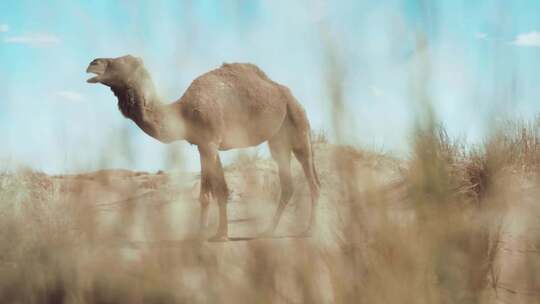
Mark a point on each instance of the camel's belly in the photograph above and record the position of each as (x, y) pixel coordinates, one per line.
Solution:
(248, 123)
(244, 136)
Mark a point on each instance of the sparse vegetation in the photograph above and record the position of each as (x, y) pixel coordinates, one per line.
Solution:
(434, 237)
(319, 137)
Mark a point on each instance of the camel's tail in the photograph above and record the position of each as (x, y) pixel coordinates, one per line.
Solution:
(315, 173)
(298, 115)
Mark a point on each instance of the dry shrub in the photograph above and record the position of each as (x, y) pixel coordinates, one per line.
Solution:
(319, 137)
(453, 194)
(244, 161)
(517, 143)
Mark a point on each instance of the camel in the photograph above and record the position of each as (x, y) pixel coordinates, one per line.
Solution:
(233, 106)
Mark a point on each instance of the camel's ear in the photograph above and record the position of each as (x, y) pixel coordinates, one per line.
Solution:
(132, 58)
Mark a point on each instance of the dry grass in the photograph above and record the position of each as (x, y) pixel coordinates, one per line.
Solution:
(438, 243)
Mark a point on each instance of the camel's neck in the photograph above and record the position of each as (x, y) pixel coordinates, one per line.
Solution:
(142, 104)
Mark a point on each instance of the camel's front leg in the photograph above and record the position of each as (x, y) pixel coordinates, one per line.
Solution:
(204, 196)
(210, 160)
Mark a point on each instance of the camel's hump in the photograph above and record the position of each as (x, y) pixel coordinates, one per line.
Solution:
(239, 67)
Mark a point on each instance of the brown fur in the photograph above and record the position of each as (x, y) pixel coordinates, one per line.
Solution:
(233, 106)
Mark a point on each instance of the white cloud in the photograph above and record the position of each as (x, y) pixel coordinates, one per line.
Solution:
(69, 95)
(35, 40)
(4, 28)
(481, 36)
(528, 39)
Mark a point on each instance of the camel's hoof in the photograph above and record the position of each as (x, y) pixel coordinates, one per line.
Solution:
(219, 238)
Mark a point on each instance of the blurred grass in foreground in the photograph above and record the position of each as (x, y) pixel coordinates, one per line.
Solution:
(437, 243)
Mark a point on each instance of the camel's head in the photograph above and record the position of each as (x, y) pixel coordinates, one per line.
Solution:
(117, 72)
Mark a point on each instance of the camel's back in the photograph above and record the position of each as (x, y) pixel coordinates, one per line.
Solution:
(239, 102)
(243, 82)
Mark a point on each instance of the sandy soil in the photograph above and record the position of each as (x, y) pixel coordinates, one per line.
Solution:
(139, 211)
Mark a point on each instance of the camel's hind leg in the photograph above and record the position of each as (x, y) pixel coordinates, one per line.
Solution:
(303, 151)
(281, 153)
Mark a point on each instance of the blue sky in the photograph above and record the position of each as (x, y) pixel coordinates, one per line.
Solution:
(483, 61)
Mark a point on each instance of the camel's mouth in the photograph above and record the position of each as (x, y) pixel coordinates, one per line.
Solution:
(97, 67)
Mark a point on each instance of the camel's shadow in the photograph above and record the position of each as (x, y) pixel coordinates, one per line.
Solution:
(273, 237)
(198, 241)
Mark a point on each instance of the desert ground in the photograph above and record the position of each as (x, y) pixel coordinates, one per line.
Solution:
(447, 225)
